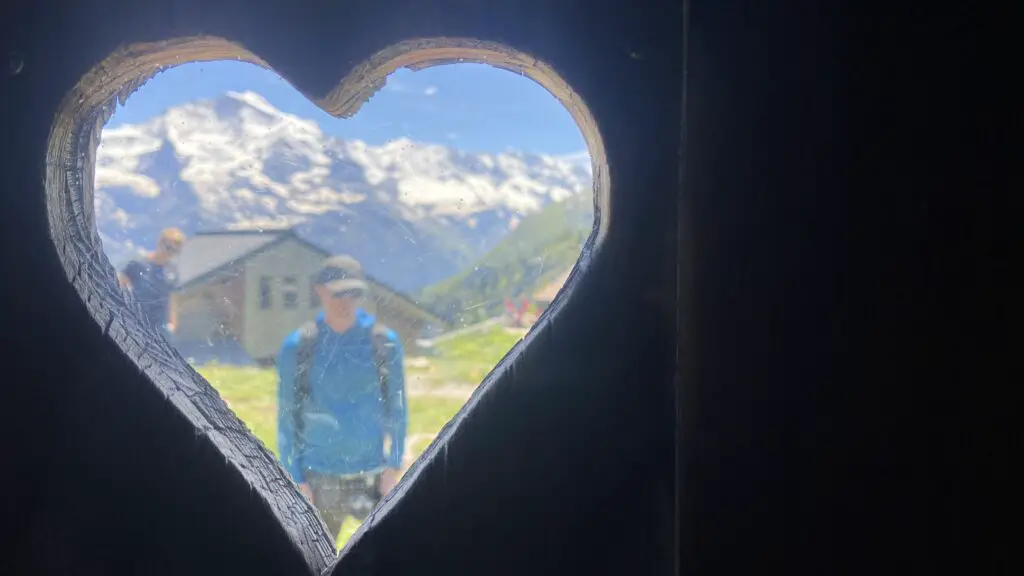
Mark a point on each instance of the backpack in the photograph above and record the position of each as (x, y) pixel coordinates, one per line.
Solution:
(379, 342)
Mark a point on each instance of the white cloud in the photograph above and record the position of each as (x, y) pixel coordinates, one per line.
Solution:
(452, 136)
(430, 91)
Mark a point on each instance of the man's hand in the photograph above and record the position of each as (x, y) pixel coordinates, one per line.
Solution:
(388, 478)
(306, 491)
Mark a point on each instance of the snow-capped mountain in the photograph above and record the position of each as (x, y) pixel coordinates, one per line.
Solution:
(414, 213)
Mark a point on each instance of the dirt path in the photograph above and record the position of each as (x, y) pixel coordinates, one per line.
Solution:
(410, 442)
(457, 391)
(467, 330)
(450, 390)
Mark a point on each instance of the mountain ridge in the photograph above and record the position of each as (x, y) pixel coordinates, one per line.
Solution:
(414, 213)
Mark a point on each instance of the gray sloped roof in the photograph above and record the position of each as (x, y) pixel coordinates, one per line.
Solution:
(206, 253)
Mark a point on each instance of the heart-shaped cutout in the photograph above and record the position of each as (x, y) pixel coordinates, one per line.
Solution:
(133, 169)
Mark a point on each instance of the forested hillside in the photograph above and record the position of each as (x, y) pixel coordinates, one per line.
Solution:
(543, 246)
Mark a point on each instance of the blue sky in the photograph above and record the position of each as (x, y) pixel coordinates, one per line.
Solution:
(473, 107)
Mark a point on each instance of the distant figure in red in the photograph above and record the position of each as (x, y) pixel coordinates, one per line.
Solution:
(516, 313)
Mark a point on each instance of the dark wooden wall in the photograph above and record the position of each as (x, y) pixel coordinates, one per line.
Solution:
(806, 372)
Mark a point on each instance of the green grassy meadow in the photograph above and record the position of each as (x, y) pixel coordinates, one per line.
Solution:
(251, 393)
(436, 391)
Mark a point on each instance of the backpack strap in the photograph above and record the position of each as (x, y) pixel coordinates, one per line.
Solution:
(380, 343)
(304, 363)
(382, 347)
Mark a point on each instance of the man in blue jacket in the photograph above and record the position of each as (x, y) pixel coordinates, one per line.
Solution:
(341, 397)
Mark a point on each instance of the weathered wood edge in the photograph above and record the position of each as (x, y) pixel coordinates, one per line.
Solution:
(365, 79)
(70, 160)
(70, 166)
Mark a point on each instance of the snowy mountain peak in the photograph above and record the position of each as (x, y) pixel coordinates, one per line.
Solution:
(239, 162)
(256, 101)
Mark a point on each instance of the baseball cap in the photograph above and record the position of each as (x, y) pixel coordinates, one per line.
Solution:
(341, 274)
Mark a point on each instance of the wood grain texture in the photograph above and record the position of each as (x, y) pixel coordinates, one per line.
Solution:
(71, 159)
(152, 455)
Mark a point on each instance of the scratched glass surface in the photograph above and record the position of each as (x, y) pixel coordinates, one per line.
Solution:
(461, 195)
